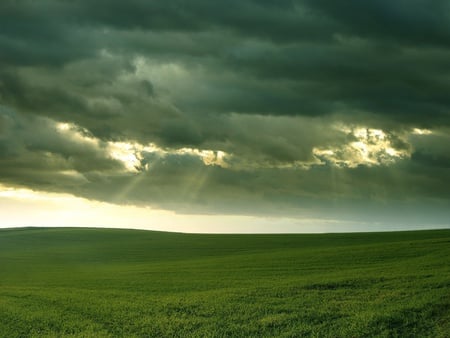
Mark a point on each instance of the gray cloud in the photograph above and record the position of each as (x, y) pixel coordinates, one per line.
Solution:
(36, 154)
(416, 22)
(284, 89)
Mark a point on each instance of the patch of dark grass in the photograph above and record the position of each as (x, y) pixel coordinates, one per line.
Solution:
(346, 284)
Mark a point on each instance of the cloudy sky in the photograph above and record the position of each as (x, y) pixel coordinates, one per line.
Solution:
(200, 115)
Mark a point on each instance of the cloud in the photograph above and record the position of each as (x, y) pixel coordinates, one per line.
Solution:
(240, 107)
(416, 22)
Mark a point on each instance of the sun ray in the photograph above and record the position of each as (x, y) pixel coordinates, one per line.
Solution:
(121, 195)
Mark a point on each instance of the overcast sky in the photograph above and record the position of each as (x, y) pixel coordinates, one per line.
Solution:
(298, 114)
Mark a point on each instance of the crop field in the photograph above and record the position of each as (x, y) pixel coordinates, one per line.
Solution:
(74, 282)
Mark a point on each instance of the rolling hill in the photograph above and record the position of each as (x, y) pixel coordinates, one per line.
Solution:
(89, 282)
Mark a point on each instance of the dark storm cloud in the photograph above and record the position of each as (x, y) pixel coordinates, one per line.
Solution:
(433, 151)
(415, 22)
(34, 153)
(281, 87)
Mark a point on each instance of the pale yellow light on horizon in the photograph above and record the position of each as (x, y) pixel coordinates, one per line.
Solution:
(28, 208)
(24, 207)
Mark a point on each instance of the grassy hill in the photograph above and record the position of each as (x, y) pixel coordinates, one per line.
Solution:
(128, 283)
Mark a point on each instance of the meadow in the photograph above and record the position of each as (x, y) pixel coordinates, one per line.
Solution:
(78, 282)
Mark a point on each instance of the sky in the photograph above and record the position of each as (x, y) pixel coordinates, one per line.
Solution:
(225, 116)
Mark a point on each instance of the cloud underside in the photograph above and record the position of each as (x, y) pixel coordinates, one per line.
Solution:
(298, 108)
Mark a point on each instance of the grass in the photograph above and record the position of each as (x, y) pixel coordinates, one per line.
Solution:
(73, 282)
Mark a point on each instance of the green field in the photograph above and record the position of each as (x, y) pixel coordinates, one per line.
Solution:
(126, 283)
